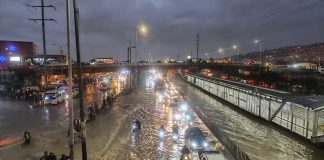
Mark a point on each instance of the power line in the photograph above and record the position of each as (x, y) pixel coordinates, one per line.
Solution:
(43, 19)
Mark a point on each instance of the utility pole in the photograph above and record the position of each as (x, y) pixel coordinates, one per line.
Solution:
(130, 51)
(61, 52)
(127, 54)
(135, 47)
(70, 100)
(77, 44)
(43, 19)
(130, 66)
(197, 46)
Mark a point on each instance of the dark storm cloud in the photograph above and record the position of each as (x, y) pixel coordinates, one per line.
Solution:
(107, 25)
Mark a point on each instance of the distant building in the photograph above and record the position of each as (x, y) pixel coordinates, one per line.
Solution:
(102, 61)
(52, 59)
(15, 52)
(304, 65)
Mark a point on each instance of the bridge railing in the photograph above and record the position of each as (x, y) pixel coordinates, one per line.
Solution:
(303, 115)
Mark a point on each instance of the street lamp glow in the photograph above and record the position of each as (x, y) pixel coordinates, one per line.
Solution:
(235, 46)
(256, 41)
(143, 29)
(220, 50)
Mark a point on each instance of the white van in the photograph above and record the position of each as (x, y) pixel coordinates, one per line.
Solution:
(54, 96)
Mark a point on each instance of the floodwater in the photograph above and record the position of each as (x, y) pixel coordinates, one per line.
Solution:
(259, 139)
(109, 136)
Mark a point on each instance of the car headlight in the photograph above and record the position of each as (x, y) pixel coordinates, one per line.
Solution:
(160, 97)
(194, 144)
(184, 107)
(187, 117)
(177, 116)
(205, 144)
(161, 133)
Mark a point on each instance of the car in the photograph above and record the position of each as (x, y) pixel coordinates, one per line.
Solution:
(195, 139)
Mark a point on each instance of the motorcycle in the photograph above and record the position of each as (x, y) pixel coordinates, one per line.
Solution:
(27, 137)
(161, 133)
(175, 134)
(91, 115)
(136, 126)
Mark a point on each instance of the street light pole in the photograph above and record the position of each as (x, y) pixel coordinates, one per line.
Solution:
(260, 57)
(135, 52)
(70, 100)
(223, 52)
(237, 53)
(77, 43)
(220, 51)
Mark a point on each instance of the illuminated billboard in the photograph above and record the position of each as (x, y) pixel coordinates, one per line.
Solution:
(15, 59)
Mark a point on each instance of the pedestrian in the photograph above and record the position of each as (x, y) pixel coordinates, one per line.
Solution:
(51, 156)
(45, 156)
(64, 157)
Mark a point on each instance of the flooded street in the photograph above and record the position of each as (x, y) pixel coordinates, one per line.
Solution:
(110, 136)
(259, 140)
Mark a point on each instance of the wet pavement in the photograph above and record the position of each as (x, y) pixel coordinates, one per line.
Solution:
(258, 139)
(108, 137)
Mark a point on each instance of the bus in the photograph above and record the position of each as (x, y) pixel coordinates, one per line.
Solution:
(54, 96)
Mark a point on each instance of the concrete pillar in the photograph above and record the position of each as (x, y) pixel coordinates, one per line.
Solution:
(315, 124)
(307, 122)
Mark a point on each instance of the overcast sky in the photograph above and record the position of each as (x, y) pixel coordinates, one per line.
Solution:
(106, 26)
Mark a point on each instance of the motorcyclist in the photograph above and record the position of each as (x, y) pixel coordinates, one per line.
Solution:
(175, 132)
(138, 123)
(175, 128)
(45, 156)
(108, 99)
(91, 112)
(104, 102)
(27, 137)
(161, 131)
(162, 128)
(51, 156)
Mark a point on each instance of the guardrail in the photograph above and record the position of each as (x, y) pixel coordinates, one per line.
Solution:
(303, 115)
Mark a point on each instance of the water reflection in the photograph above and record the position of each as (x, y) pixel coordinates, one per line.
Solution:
(258, 140)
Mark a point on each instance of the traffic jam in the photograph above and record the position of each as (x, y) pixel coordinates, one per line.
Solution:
(191, 139)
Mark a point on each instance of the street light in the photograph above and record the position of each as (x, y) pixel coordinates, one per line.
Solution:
(238, 51)
(258, 42)
(206, 54)
(221, 51)
(143, 30)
